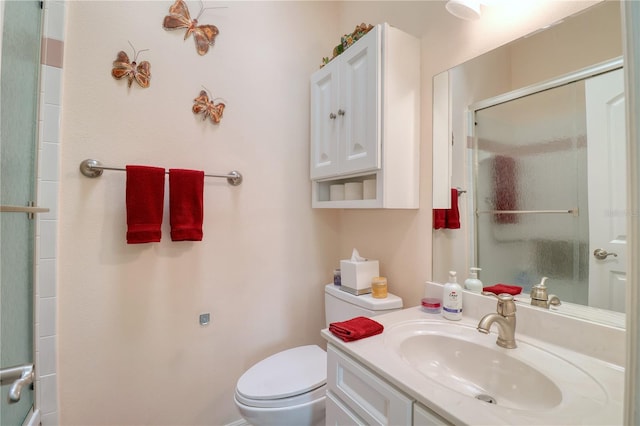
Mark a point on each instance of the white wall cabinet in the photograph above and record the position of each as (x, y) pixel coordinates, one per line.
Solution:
(345, 137)
(357, 396)
(365, 121)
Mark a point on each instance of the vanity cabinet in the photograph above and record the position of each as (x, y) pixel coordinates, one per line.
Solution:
(422, 416)
(357, 396)
(365, 121)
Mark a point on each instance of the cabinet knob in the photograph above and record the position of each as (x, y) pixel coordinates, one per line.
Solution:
(332, 116)
(340, 112)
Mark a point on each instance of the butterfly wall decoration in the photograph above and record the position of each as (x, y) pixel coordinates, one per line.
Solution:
(208, 108)
(179, 18)
(122, 68)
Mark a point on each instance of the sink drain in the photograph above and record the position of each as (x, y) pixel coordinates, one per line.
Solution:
(486, 398)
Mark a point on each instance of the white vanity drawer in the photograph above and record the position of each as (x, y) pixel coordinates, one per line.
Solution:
(375, 401)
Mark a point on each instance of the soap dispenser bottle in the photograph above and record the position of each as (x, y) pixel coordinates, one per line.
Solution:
(452, 299)
(473, 283)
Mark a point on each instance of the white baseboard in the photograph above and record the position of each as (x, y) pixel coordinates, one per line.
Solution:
(241, 422)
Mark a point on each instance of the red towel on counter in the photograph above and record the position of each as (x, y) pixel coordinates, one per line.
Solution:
(145, 202)
(504, 288)
(186, 208)
(356, 328)
(448, 218)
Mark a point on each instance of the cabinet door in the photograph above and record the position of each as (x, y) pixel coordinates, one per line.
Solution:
(337, 414)
(422, 416)
(359, 107)
(365, 394)
(325, 124)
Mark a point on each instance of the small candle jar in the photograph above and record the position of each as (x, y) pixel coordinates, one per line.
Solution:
(432, 305)
(379, 287)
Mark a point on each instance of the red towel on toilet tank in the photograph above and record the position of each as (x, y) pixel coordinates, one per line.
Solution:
(145, 202)
(356, 328)
(186, 208)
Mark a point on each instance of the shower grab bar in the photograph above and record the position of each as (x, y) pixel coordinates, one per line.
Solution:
(20, 376)
(23, 209)
(569, 211)
(93, 169)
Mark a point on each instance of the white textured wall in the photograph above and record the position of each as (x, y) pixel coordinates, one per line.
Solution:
(130, 348)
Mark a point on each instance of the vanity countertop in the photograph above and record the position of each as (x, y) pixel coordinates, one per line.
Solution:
(459, 408)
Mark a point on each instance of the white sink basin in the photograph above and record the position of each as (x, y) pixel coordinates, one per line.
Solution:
(460, 358)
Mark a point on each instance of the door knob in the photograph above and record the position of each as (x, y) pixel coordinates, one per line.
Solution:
(601, 254)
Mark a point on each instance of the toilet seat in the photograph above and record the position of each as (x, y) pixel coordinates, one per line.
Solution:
(291, 377)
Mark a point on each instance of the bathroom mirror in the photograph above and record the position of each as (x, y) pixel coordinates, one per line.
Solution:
(489, 141)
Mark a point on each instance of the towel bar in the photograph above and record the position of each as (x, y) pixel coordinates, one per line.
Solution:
(93, 169)
(569, 211)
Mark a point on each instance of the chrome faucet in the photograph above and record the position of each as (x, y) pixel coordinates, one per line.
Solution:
(540, 297)
(505, 318)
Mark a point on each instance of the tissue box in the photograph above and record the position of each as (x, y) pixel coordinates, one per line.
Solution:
(356, 276)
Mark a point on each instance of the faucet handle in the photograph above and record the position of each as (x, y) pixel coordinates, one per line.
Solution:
(506, 305)
(502, 297)
(539, 291)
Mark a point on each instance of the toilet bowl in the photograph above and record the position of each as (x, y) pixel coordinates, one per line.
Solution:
(289, 387)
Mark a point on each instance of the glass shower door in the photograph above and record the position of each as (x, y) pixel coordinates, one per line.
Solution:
(531, 162)
(19, 69)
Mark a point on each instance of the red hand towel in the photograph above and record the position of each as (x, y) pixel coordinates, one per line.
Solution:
(504, 288)
(439, 218)
(448, 218)
(356, 328)
(145, 202)
(185, 204)
(452, 215)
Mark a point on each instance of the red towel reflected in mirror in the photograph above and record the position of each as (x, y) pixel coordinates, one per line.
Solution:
(448, 218)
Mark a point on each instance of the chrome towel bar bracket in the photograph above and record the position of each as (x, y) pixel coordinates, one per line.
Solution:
(19, 377)
(93, 169)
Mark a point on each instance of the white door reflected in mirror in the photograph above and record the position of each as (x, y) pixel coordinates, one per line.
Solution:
(607, 190)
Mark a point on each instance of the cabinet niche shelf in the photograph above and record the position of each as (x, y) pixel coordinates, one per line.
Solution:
(365, 121)
(322, 195)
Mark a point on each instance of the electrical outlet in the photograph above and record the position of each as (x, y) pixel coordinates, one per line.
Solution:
(204, 319)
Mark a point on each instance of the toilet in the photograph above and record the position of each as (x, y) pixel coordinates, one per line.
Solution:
(288, 388)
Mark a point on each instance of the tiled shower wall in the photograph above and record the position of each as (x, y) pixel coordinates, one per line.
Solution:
(46, 234)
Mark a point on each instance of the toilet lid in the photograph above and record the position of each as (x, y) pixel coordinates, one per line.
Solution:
(285, 374)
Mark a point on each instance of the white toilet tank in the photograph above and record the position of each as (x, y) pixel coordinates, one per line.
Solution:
(341, 306)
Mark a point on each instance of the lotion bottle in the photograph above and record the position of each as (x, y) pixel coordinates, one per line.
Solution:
(452, 299)
(473, 283)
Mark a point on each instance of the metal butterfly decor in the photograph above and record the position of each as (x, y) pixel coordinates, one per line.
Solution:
(202, 105)
(179, 18)
(122, 68)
